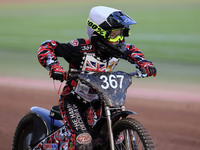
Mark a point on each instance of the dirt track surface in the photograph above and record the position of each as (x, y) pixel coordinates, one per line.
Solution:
(173, 125)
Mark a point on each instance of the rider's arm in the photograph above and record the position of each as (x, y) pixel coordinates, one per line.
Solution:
(135, 56)
(47, 56)
(50, 50)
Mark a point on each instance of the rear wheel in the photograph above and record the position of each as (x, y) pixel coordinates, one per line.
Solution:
(129, 134)
(25, 134)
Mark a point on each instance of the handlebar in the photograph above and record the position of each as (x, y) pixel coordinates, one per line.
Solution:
(136, 74)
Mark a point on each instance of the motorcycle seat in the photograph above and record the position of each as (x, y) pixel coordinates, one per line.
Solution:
(55, 113)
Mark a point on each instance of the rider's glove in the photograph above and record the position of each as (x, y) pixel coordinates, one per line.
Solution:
(57, 73)
(148, 68)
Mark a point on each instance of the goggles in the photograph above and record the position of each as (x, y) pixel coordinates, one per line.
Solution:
(115, 35)
(107, 34)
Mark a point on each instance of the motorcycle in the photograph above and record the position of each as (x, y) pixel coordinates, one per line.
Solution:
(44, 129)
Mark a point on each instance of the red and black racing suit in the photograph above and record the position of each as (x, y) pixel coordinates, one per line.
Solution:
(74, 110)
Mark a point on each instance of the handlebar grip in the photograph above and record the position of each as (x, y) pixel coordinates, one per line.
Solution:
(138, 74)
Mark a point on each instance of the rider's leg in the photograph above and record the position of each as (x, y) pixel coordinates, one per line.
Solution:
(93, 113)
(72, 112)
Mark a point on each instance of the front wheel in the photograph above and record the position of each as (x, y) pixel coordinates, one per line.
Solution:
(129, 134)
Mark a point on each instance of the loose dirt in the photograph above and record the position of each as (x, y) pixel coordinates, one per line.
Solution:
(172, 124)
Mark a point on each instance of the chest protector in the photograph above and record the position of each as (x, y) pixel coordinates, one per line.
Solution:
(92, 63)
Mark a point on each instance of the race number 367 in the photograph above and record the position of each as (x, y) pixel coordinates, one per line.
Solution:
(113, 81)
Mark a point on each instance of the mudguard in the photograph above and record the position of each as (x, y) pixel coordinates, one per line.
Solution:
(43, 124)
(122, 114)
(43, 114)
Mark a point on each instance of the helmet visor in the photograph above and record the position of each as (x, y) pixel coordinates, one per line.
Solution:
(120, 19)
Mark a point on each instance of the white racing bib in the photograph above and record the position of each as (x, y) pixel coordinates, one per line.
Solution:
(93, 64)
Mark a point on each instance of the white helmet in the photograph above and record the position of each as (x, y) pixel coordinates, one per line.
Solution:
(102, 20)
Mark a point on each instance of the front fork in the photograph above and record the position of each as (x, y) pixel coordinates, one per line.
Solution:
(109, 124)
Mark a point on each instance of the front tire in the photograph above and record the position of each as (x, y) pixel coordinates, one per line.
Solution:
(130, 134)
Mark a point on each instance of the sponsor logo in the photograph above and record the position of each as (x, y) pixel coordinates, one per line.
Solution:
(76, 117)
(96, 28)
(84, 138)
(50, 146)
(74, 42)
(120, 139)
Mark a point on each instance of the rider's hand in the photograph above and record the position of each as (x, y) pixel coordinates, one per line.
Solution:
(148, 68)
(57, 73)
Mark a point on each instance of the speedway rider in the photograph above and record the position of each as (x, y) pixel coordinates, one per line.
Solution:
(107, 28)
